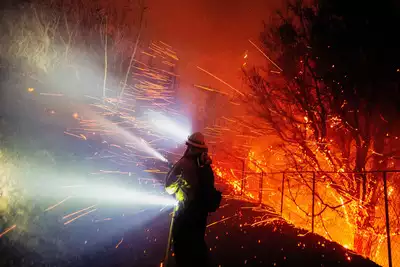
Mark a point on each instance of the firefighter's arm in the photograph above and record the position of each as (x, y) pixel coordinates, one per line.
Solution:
(174, 180)
(172, 188)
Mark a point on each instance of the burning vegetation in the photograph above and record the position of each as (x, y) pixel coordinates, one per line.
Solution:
(328, 99)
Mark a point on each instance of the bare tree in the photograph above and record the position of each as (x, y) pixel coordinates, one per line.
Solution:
(332, 100)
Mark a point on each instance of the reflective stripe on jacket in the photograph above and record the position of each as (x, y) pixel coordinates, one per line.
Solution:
(183, 180)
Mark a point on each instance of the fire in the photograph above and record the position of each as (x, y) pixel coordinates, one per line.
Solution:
(390, 191)
(338, 215)
(235, 184)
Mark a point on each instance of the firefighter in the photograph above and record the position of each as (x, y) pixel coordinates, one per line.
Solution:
(191, 179)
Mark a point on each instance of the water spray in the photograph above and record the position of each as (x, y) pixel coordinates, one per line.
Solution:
(130, 138)
(168, 126)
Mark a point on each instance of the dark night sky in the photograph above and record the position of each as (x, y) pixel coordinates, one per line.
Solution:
(212, 34)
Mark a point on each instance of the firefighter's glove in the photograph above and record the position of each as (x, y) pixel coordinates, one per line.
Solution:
(179, 188)
(181, 193)
(182, 183)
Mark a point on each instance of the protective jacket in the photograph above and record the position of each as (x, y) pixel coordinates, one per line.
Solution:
(183, 181)
(192, 181)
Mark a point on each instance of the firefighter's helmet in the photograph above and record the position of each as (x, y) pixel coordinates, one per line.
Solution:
(197, 140)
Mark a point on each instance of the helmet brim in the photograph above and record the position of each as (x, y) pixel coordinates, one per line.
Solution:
(190, 143)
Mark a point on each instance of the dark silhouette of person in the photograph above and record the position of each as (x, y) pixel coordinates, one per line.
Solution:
(191, 179)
